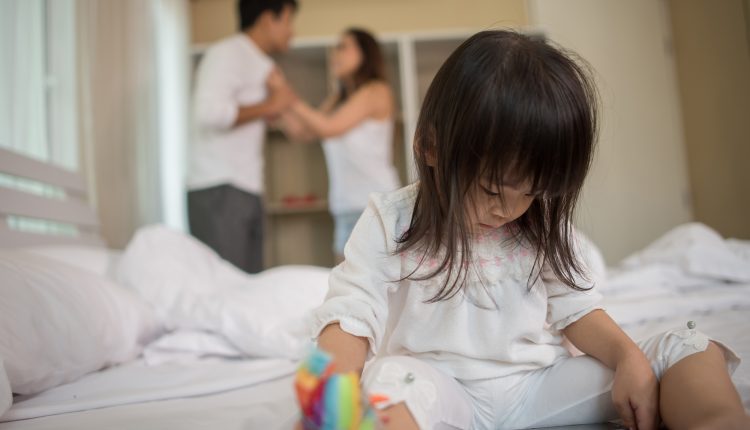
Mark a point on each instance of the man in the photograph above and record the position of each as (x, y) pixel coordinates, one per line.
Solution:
(237, 89)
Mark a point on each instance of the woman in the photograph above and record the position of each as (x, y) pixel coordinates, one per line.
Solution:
(356, 125)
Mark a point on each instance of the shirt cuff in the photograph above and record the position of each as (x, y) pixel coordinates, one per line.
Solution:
(351, 325)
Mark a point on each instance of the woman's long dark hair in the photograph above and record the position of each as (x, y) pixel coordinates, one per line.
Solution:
(372, 67)
(502, 104)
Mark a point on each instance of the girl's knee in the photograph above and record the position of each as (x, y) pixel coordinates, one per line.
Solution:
(667, 349)
(432, 398)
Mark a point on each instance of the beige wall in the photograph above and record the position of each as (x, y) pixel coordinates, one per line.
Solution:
(638, 188)
(213, 19)
(713, 58)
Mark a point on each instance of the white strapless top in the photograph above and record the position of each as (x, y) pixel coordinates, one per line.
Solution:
(360, 162)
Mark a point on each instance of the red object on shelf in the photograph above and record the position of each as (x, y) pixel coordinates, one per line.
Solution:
(296, 201)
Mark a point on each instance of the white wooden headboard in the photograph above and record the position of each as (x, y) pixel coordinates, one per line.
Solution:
(68, 208)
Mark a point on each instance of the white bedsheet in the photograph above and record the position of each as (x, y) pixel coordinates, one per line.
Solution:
(137, 383)
(191, 288)
(267, 406)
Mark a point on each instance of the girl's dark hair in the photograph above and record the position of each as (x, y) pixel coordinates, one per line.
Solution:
(372, 67)
(249, 10)
(504, 106)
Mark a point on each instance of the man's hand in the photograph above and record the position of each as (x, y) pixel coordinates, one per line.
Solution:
(280, 93)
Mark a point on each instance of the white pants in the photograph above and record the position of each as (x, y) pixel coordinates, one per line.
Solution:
(572, 391)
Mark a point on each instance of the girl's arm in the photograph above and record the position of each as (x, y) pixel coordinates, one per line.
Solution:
(635, 390)
(599, 336)
(349, 352)
(366, 102)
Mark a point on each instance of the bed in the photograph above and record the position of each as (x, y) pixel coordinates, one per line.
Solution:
(164, 334)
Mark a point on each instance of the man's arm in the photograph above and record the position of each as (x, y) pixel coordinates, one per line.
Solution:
(274, 105)
(280, 96)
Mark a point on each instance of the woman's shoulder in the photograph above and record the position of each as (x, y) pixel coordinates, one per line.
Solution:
(376, 89)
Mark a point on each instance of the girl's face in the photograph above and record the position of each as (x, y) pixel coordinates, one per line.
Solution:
(347, 57)
(496, 206)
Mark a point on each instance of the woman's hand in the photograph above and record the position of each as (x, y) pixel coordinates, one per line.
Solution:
(635, 392)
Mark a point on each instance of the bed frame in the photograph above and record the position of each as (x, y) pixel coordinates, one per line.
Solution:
(71, 208)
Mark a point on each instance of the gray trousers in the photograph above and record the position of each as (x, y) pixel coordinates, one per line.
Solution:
(230, 221)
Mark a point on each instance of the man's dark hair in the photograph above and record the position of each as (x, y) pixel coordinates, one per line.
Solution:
(249, 10)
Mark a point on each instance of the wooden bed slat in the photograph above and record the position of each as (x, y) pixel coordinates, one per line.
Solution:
(16, 164)
(71, 211)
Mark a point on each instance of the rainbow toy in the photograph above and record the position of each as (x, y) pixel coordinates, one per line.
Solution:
(329, 400)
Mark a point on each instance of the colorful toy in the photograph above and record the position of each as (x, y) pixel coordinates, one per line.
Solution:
(329, 400)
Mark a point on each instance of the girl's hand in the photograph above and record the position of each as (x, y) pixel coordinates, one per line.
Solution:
(635, 392)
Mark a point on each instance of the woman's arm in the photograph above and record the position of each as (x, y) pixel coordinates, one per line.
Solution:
(294, 128)
(329, 103)
(349, 352)
(635, 390)
(277, 101)
(366, 102)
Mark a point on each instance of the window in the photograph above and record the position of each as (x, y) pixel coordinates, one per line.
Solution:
(38, 102)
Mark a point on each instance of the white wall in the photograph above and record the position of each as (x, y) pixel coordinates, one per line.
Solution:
(638, 187)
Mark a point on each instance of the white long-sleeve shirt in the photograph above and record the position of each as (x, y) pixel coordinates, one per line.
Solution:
(497, 325)
(232, 74)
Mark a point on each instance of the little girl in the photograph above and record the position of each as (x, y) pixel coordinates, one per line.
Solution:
(461, 286)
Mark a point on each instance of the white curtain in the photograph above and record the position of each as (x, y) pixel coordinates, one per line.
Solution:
(134, 66)
(173, 63)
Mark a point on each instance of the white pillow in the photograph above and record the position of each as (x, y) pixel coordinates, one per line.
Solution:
(96, 259)
(696, 249)
(191, 288)
(740, 248)
(59, 322)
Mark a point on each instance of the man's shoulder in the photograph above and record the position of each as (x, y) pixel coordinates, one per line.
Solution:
(228, 45)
